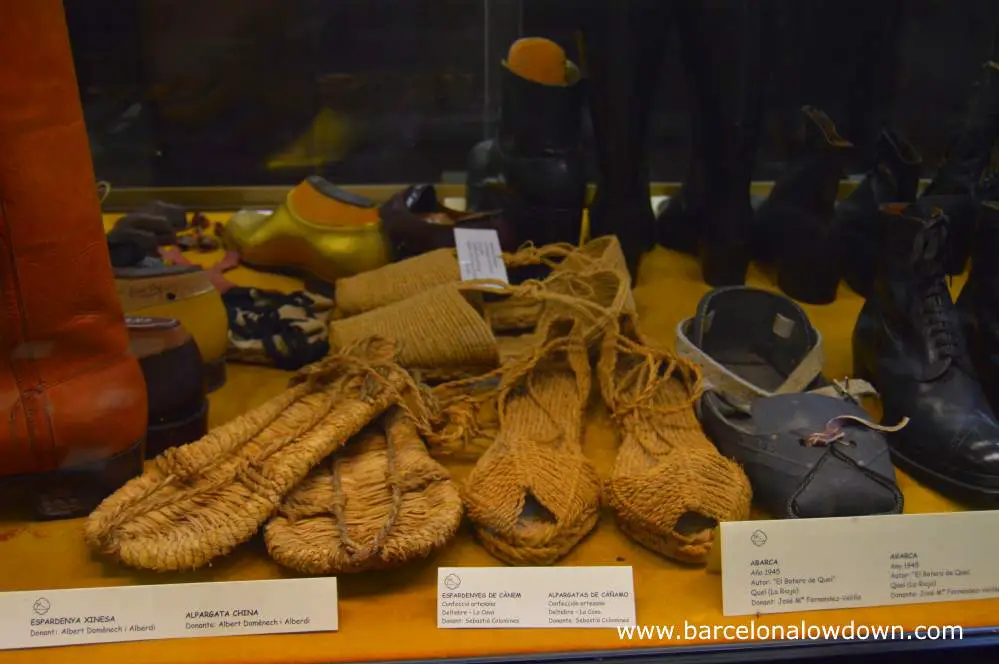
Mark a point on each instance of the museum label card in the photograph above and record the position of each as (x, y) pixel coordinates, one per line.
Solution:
(846, 562)
(535, 597)
(479, 254)
(44, 618)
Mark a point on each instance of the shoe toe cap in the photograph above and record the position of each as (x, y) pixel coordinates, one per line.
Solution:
(839, 488)
(979, 455)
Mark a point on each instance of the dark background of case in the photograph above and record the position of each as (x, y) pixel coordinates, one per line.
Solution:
(200, 92)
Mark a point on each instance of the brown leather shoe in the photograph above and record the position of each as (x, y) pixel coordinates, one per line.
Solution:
(175, 381)
(415, 221)
(74, 403)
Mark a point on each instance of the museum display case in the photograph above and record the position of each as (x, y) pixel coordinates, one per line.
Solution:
(490, 330)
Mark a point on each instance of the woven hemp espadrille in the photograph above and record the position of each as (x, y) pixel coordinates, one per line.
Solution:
(402, 280)
(445, 333)
(670, 486)
(533, 496)
(201, 500)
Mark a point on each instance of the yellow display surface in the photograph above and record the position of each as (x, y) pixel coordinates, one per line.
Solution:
(392, 615)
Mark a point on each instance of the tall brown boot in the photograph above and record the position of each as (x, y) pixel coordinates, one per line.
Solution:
(74, 399)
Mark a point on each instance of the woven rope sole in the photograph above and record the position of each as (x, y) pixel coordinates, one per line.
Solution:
(201, 500)
(379, 503)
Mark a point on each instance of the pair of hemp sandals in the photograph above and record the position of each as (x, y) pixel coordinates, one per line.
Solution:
(336, 471)
(332, 468)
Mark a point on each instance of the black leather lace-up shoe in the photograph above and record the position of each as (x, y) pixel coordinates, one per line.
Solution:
(908, 342)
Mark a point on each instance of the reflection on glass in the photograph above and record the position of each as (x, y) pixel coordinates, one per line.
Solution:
(242, 92)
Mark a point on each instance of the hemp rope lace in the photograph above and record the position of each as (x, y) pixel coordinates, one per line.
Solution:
(355, 550)
(379, 503)
(833, 432)
(456, 403)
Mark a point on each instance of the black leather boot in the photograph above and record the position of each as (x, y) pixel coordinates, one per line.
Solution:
(978, 303)
(794, 226)
(895, 176)
(893, 179)
(722, 49)
(955, 185)
(909, 344)
(533, 170)
(624, 46)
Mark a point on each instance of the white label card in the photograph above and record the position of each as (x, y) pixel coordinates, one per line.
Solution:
(848, 562)
(479, 254)
(538, 597)
(43, 618)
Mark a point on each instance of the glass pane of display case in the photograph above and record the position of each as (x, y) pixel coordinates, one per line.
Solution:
(214, 93)
(495, 330)
(402, 100)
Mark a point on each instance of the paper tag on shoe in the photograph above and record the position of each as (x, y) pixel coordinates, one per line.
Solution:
(849, 562)
(44, 618)
(479, 254)
(535, 597)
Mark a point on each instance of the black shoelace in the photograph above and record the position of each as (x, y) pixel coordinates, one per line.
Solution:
(936, 308)
(255, 314)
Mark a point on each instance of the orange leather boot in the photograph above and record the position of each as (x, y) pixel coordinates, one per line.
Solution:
(72, 399)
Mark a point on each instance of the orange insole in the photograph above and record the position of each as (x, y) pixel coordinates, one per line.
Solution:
(316, 208)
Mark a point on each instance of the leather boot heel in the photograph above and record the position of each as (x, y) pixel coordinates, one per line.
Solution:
(725, 246)
(676, 226)
(215, 374)
(557, 224)
(163, 435)
(809, 268)
(73, 492)
(543, 225)
(724, 266)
